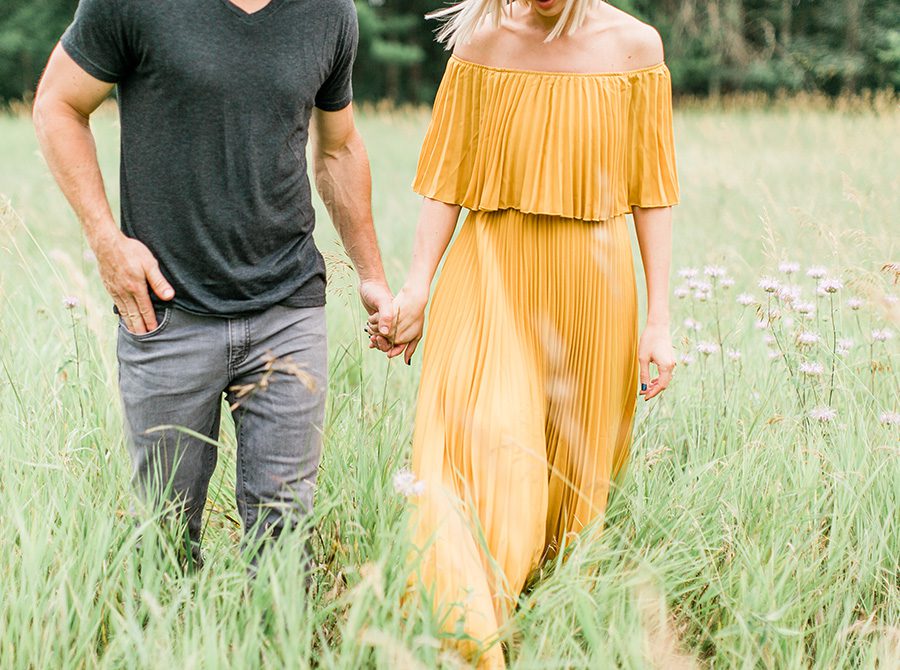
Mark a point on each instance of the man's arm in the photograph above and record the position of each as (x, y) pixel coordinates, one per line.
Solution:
(65, 99)
(344, 182)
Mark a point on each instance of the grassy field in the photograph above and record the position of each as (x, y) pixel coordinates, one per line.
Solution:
(758, 526)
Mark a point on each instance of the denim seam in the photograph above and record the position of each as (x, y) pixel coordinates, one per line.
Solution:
(247, 341)
(242, 494)
(238, 352)
(228, 354)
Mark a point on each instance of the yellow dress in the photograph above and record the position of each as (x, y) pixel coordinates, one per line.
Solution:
(529, 377)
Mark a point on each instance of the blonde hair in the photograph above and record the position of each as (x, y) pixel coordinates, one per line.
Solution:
(462, 19)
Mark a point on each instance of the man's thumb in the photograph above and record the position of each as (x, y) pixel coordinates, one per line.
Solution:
(158, 283)
(385, 318)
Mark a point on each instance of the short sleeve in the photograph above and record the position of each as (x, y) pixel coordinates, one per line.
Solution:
(97, 40)
(337, 90)
(652, 173)
(448, 157)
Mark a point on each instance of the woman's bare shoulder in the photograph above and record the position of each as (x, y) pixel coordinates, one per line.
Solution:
(483, 46)
(610, 40)
(638, 44)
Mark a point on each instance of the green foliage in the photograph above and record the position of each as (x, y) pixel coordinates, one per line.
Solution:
(28, 31)
(398, 59)
(834, 46)
(713, 46)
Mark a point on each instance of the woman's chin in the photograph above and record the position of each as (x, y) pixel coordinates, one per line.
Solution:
(548, 8)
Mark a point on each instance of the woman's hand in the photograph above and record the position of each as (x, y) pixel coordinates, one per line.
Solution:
(408, 323)
(656, 347)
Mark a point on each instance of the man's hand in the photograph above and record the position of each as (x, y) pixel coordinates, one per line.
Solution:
(379, 303)
(127, 268)
(409, 323)
(66, 98)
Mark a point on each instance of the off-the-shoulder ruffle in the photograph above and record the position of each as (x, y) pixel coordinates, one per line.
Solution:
(578, 146)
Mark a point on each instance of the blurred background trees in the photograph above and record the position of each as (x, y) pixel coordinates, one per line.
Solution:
(28, 31)
(713, 46)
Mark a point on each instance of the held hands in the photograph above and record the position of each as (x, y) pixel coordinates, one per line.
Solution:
(406, 320)
(127, 268)
(402, 331)
(655, 347)
(378, 300)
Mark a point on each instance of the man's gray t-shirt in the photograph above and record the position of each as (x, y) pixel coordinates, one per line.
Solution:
(215, 106)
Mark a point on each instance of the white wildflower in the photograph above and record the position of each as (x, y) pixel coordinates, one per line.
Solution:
(707, 348)
(854, 303)
(686, 359)
(682, 292)
(761, 324)
(831, 285)
(789, 267)
(71, 302)
(690, 324)
(734, 354)
(816, 272)
(844, 345)
(699, 285)
(769, 339)
(726, 282)
(745, 299)
(811, 368)
(822, 414)
(773, 354)
(789, 293)
(769, 284)
(890, 418)
(808, 337)
(702, 296)
(405, 483)
(687, 273)
(882, 335)
(714, 271)
(805, 308)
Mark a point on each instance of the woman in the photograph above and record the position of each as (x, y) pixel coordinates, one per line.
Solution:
(552, 123)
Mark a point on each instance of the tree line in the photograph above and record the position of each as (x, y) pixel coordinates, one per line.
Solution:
(712, 46)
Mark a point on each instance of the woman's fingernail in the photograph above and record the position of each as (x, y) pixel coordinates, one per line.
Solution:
(643, 387)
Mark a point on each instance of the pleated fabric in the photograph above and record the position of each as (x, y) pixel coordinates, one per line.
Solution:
(577, 146)
(530, 374)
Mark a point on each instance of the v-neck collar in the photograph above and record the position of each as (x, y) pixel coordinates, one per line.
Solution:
(258, 15)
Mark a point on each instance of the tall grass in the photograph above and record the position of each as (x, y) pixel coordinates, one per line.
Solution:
(754, 528)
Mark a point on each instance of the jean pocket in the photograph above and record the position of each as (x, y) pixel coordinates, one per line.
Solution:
(163, 316)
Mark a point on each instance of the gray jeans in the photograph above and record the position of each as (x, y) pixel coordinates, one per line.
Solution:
(272, 368)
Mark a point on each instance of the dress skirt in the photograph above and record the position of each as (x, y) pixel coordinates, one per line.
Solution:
(525, 408)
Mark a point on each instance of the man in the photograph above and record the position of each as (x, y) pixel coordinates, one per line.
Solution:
(214, 273)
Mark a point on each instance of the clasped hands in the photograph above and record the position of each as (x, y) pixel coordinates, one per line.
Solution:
(395, 326)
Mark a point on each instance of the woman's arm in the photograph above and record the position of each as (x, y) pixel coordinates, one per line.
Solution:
(437, 221)
(654, 233)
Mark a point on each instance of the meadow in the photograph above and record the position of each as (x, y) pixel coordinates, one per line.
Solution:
(757, 526)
